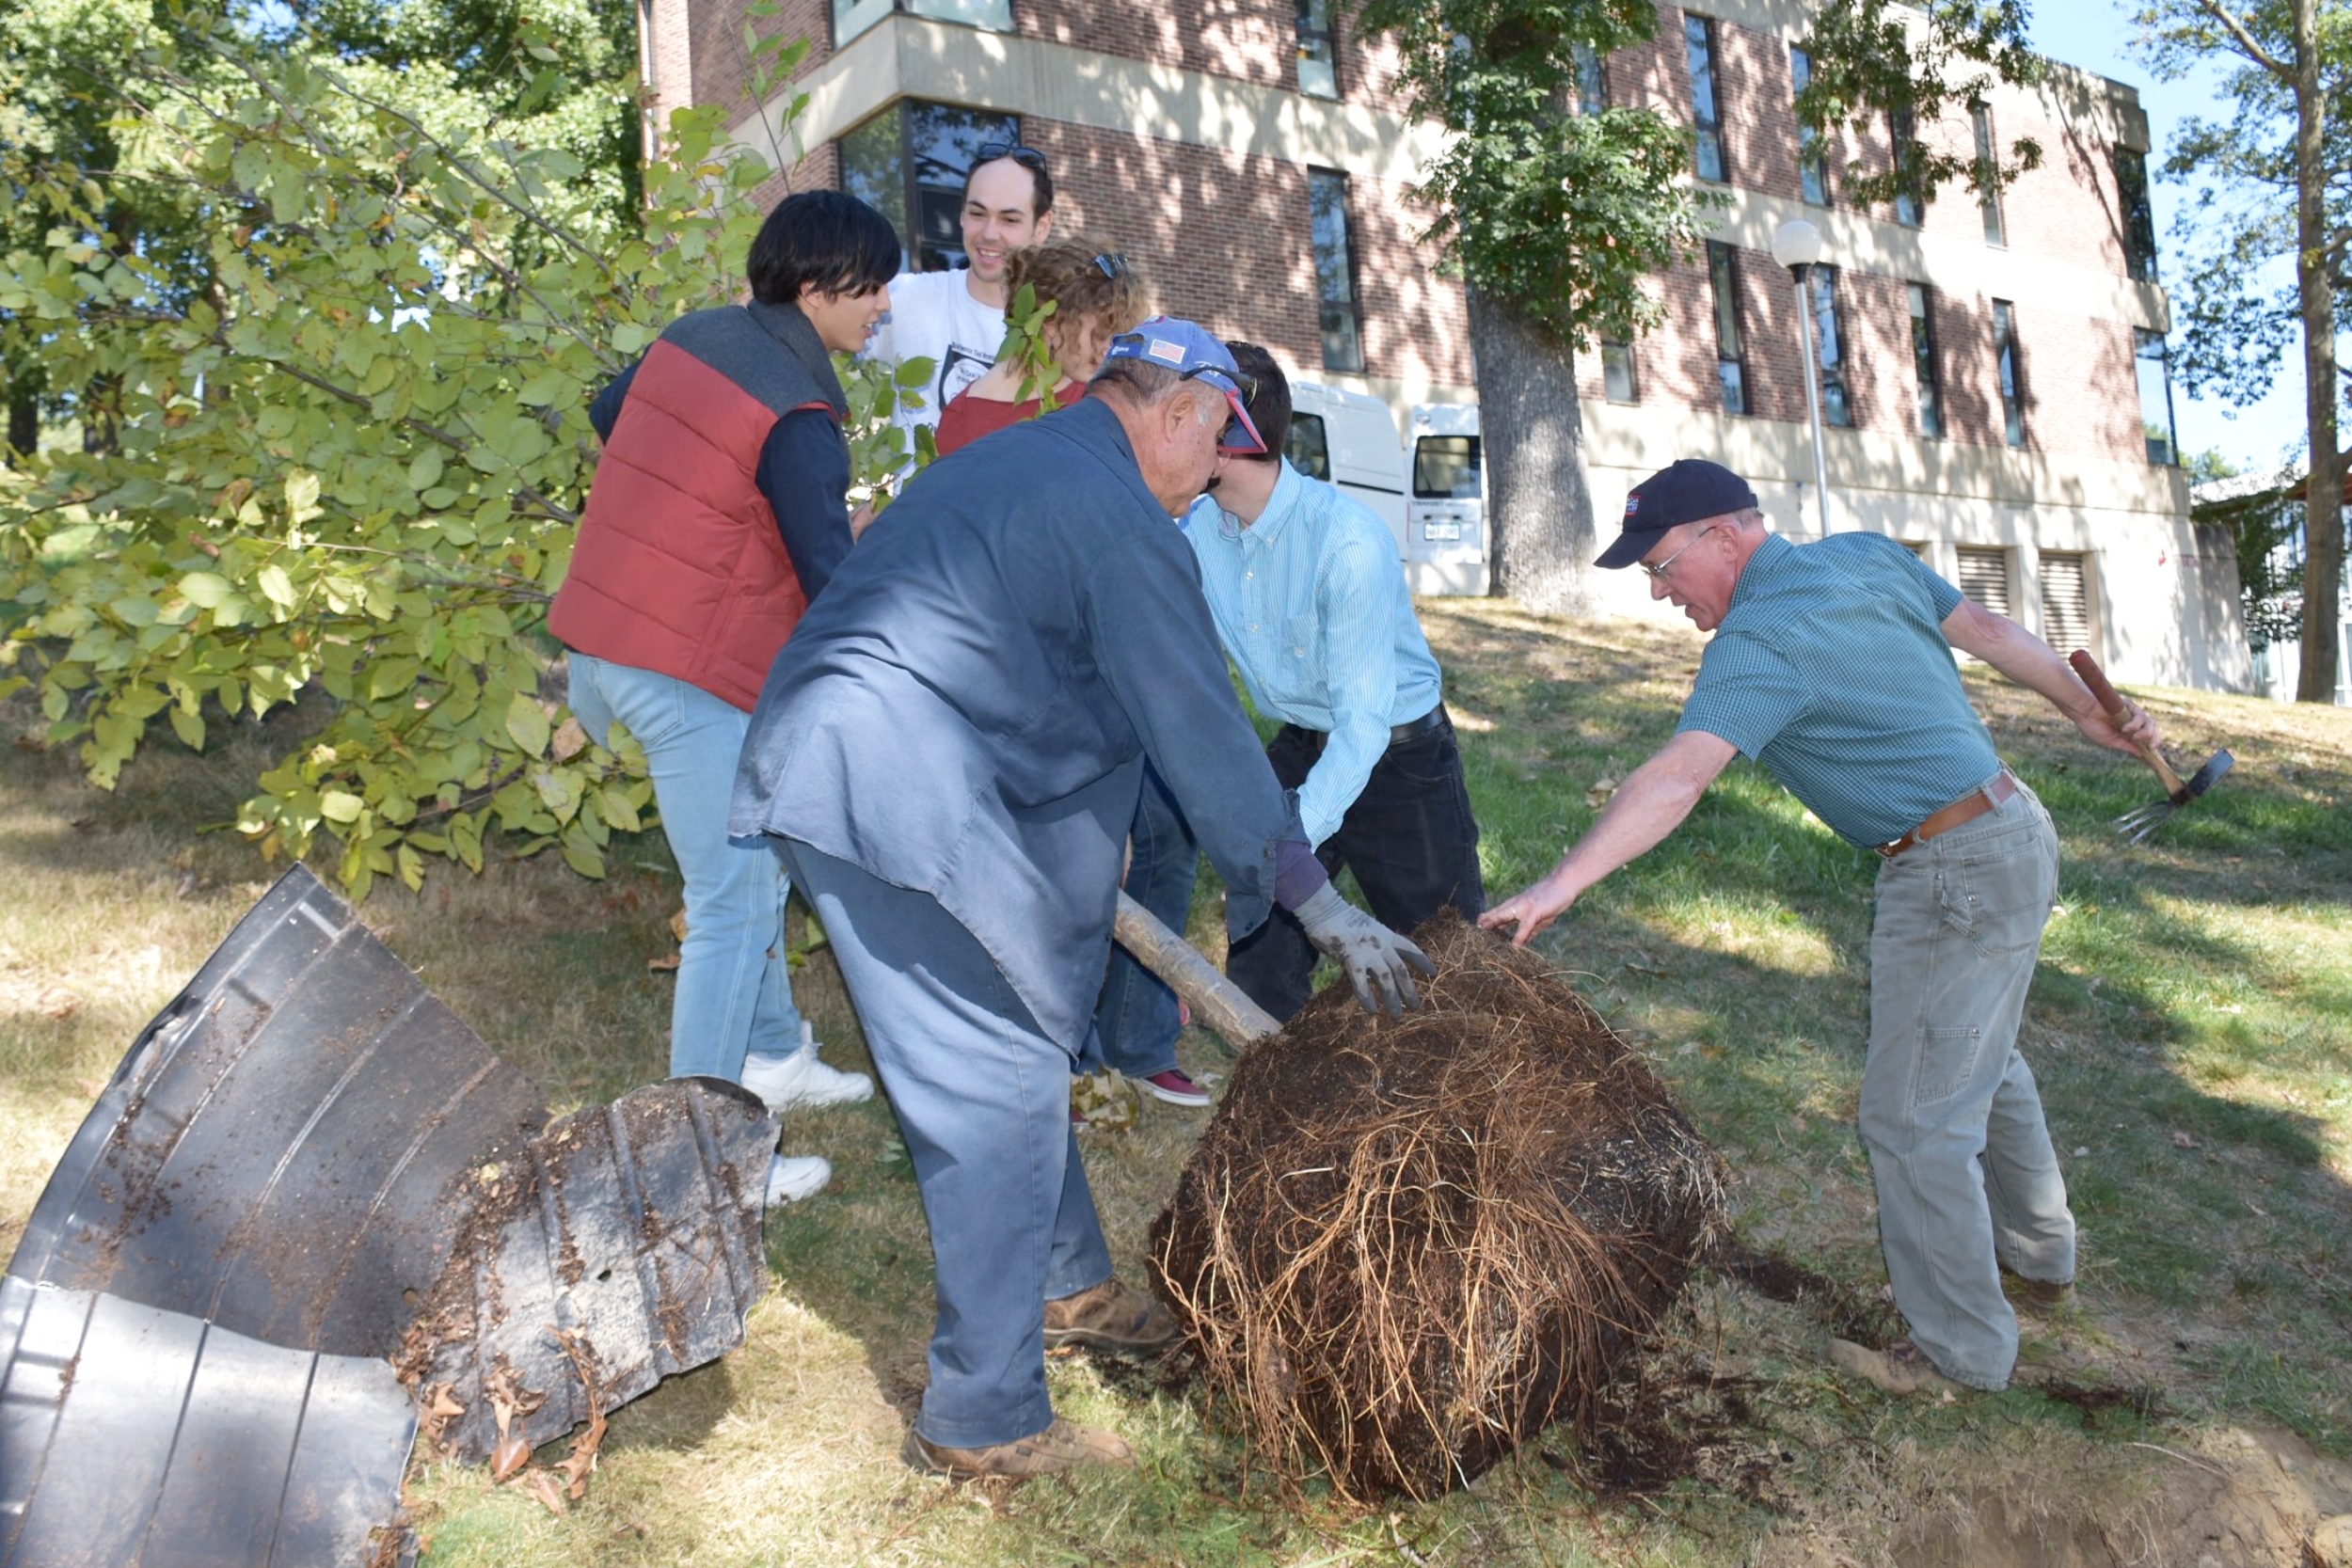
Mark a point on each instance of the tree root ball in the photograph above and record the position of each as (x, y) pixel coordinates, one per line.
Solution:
(1403, 1247)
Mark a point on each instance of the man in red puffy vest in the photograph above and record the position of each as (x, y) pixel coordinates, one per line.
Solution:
(717, 514)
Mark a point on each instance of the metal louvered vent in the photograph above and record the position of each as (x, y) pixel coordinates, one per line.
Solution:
(1984, 577)
(2065, 600)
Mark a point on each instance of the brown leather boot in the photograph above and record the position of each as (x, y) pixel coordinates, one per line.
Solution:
(1901, 1368)
(1057, 1448)
(1112, 1316)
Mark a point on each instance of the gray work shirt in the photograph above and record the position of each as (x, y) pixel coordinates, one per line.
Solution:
(966, 709)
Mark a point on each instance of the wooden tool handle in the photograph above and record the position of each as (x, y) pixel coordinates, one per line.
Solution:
(1216, 1000)
(2119, 710)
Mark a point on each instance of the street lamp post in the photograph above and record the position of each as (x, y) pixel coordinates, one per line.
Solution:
(1797, 246)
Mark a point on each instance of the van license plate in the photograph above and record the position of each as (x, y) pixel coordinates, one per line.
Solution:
(1436, 532)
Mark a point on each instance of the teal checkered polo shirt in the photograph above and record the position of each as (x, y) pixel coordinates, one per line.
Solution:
(1830, 670)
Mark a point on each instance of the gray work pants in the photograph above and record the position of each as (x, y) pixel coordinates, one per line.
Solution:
(983, 1099)
(1967, 1182)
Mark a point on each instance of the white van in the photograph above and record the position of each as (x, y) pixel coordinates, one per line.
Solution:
(1445, 518)
(1350, 440)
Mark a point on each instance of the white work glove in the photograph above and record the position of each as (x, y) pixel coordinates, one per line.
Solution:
(1372, 955)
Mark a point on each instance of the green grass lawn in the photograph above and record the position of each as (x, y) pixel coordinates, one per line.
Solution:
(2191, 1026)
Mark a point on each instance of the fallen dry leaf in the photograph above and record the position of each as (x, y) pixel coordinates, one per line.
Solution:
(664, 964)
(569, 741)
(1602, 788)
(541, 1484)
(436, 1410)
(677, 925)
(581, 1461)
(2183, 1140)
(58, 1003)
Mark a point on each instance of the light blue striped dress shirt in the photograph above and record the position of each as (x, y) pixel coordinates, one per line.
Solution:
(1309, 602)
(1832, 673)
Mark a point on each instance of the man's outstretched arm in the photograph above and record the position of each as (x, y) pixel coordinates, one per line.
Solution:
(2031, 663)
(1650, 804)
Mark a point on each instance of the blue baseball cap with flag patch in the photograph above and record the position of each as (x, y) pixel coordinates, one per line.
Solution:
(1682, 492)
(1193, 352)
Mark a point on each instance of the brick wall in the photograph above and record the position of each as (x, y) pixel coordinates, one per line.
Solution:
(721, 56)
(1249, 41)
(1225, 240)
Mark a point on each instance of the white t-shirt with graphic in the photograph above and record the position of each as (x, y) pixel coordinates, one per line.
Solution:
(933, 316)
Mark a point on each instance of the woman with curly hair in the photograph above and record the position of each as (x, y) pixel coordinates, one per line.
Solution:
(1095, 294)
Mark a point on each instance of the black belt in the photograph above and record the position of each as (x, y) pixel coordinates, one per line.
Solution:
(1412, 729)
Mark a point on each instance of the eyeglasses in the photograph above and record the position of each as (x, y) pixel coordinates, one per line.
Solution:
(1245, 385)
(1027, 157)
(1111, 264)
(1660, 570)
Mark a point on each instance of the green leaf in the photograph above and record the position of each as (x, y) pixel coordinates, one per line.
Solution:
(425, 470)
(339, 806)
(275, 585)
(527, 723)
(205, 590)
(189, 727)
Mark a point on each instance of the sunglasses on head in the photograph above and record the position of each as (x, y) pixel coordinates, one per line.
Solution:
(1111, 264)
(1245, 385)
(1027, 157)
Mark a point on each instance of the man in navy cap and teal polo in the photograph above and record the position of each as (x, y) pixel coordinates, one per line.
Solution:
(946, 755)
(1832, 668)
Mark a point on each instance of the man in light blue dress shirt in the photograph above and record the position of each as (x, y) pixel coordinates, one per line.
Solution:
(1309, 597)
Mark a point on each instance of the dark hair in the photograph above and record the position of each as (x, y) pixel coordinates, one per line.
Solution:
(827, 238)
(1270, 404)
(1028, 158)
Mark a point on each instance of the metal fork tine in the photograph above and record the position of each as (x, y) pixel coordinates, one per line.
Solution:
(2159, 820)
(2133, 818)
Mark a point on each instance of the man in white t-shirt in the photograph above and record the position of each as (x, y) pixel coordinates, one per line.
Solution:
(956, 320)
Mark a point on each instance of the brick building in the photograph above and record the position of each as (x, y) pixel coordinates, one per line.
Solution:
(1993, 372)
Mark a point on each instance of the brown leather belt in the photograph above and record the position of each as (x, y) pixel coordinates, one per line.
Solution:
(1966, 809)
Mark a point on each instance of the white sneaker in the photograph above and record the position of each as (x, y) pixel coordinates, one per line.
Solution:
(794, 1178)
(801, 1080)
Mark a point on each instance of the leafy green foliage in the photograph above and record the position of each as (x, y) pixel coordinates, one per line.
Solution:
(351, 434)
(1890, 65)
(1560, 213)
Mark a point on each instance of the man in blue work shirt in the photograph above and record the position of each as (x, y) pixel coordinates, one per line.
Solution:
(1309, 597)
(946, 755)
(1831, 667)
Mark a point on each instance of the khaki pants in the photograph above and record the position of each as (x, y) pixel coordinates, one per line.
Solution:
(1967, 1182)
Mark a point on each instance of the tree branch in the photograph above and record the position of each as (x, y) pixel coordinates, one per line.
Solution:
(2246, 42)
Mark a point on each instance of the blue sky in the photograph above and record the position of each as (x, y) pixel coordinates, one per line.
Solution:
(2097, 36)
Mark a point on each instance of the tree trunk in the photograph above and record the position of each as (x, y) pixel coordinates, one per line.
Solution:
(1539, 504)
(23, 423)
(2323, 496)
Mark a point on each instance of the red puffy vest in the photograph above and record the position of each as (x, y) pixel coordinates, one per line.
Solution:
(677, 566)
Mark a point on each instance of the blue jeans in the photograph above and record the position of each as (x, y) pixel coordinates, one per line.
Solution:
(734, 989)
(1967, 1182)
(983, 1098)
(1134, 1018)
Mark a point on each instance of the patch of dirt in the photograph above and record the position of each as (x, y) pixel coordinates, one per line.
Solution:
(2230, 1498)
(1404, 1245)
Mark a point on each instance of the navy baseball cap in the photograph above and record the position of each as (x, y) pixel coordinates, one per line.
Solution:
(1192, 351)
(1682, 492)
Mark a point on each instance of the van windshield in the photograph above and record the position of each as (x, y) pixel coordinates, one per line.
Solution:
(1307, 446)
(1445, 467)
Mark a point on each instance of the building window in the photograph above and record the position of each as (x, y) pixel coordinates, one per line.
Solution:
(852, 17)
(1984, 575)
(1812, 164)
(1699, 47)
(1923, 361)
(1318, 49)
(1591, 82)
(1729, 365)
(1904, 145)
(1988, 175)
(1335, 272)
(1822, 282)
(2006, 366)
(2140, 220)
(2065, 599)
(1616, 373)
(908, 164)
(2156, 394)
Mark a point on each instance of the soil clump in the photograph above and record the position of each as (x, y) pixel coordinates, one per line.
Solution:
(1404, 1245)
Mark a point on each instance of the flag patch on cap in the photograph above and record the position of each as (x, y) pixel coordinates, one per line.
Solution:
(1633, 504)
(1160, 348)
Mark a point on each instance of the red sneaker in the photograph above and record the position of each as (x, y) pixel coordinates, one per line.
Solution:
(1173, 1087)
